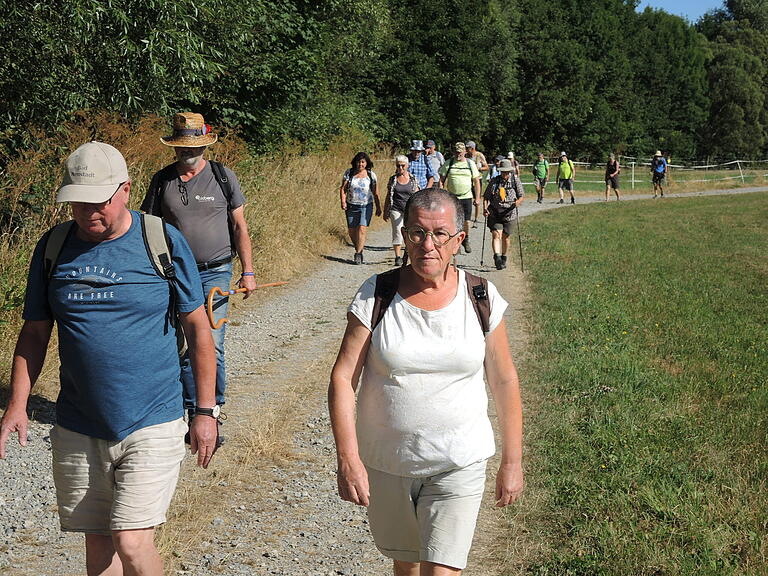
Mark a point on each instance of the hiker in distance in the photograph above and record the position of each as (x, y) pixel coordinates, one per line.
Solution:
(434, 157)
(203, 199)
(500, 201)
(540, 172)
(482, 166)
(359, 193)
(659, 169)
(420, 166)
(415, 452)
(612, 170)
(460, 176)
(117, 444)
(402, 184)
(566, 173)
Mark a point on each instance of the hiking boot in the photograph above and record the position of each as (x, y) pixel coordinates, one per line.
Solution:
(467, 247)
(503, 261)
(497, 261)
(358, 257)
(573, 200)
(561, 201)
(398, 261)
(474, 223)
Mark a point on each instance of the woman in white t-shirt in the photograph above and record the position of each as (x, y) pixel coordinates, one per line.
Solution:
(358, 195)
(414, 450)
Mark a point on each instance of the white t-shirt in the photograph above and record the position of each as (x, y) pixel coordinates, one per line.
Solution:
(422, 407)
(359, 191)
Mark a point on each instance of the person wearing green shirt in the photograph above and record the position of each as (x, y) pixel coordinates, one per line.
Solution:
(566, 173)
(540, 175)
(460, 177)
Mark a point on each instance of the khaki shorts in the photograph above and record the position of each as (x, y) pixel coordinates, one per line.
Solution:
(103, 485)
(426, 519)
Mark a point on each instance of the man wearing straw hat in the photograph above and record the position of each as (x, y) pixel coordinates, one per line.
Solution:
(117, 445)
(203, 199)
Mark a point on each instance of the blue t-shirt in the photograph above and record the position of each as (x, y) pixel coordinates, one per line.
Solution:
(119, 361)
(659, 164)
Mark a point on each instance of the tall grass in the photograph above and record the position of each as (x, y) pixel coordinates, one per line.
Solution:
(650, 410)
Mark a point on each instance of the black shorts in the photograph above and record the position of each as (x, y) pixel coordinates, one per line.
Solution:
(494, 224)
(658, 177)
(613, 182)
(467, 205)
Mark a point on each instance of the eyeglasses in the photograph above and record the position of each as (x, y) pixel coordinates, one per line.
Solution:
(183, 192)
(419, 235)
(100, 205)
(402, 165)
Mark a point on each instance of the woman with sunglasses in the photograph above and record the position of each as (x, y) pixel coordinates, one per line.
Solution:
(414, 447)
(402, 184)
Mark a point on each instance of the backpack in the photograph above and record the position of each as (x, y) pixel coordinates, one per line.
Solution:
(386, 288)
(159, 253)
(452, 161)
(348, 181)
(153, 202)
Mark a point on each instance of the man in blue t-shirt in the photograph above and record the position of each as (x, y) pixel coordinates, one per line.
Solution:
(118, 441)
(658, 173)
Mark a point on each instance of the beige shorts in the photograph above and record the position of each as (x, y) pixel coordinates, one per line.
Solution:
(103, 485)
(396, 220)
(426, 519)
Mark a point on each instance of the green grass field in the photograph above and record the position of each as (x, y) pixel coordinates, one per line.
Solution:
(647, 414)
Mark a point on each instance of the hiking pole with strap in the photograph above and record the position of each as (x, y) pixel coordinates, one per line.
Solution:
(216, 290)
(520, 241)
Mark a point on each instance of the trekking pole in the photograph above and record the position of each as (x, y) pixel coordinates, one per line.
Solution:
(216, 290)
(482, 248)
(520, 241)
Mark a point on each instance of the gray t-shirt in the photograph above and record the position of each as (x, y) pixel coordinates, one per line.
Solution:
(203, 219)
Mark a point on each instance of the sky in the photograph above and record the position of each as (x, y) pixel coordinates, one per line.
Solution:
(690, 9)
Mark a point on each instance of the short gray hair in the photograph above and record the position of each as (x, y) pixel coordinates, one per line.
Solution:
(401, 158)
(431, 199)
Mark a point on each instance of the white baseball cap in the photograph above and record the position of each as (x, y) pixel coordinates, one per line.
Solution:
(93, 173)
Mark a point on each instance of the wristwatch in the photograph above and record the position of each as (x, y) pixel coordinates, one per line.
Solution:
(212, 412)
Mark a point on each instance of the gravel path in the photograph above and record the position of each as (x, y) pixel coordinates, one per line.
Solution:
(262, 515)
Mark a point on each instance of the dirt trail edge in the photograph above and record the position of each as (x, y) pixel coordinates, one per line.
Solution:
(268, 503)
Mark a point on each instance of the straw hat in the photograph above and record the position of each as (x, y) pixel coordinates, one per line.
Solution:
(190, 131)
(658, 153)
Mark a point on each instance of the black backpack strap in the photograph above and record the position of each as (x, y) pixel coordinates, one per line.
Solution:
(153, 201)
(223, 180)
(477, 287)
(54, 242)
(386, 288)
